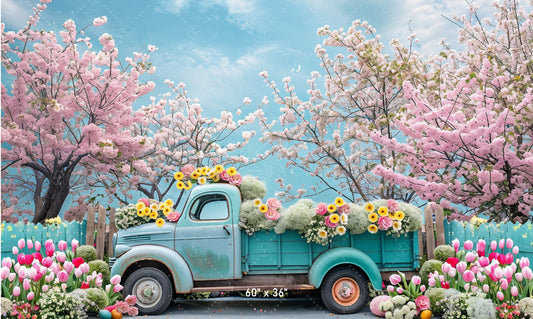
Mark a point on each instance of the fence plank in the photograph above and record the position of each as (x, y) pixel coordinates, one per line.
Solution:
(89, 237)
(100, 233)
(430, 234)
(439, 225)
(112, 229)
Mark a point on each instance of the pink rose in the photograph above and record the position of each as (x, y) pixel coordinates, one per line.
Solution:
(422, 303)
(235, 179)
(122, 307)
(395, 279)
(328, 222)
(188, 169)
(272, 214)
(321, 208)
(131, 300)
(344, 209)
(273, 203)
(145, 201)
(173, 216)
(133, 311)
(392, 205)
(384, 222)
(224, 176)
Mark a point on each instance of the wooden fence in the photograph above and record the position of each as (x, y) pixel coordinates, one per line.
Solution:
(445, 231)
(97, 229)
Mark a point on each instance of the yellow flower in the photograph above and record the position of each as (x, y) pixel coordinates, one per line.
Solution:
(322, 234)
(166, 210)
(344, 218)
(263, 208)
(169, 202)
(195, 175)
(334, 218)
(396, 225)
(257, 202)
(232, 171)
(146, 211)
(341, 230)
(139, 206)
(202, 180)
(188, 185)
(178, 176)
(212, 175)
(219, 169)
(392, 215)
(160, 222)
(140, 213)
(216, 178)
(180, 185)
(161, 206)
(204, 170)
(154, 206)
(373, 217)
(399, 215)
(339, 201)
(332, 208)
(153, 214)
(383, 211)
(372, 229)
(369, 207)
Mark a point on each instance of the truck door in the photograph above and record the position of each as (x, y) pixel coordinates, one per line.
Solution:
(206, 238)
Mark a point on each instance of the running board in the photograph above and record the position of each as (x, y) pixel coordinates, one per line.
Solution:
(257, 288)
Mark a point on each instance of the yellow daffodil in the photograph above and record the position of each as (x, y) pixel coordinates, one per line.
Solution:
(169, 202)
(232, 171)
(219, 169)
(341, 230)
(160, 222)
(180, 185)
(195, 175)
(202, 180)
(153, 214)
(146, 211)
(178, 176)
(396, 225)
(139, 206)
(373, 217)
(257, 202)
(204, 170)
(263, 208)
(332, 208)
(339, 201)
(372, 229)
(166, 210)
(399, 215)
(334, 218)
(383, 211)
(322, 234)
(369, 207)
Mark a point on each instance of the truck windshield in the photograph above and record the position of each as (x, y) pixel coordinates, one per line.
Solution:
(210, 207)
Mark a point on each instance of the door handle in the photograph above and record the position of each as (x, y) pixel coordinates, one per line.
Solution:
(226, 229)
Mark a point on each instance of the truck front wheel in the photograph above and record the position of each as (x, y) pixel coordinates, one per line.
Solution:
(344, 290)
(152, 288)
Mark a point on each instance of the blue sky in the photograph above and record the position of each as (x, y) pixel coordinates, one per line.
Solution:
(218, 47)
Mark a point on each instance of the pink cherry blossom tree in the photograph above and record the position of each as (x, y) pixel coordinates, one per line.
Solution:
(65, 109)
(328, 135)
(469, 129)
(180, 133)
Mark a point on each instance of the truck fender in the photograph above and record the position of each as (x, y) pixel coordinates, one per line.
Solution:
(181, 274)
(344, 256)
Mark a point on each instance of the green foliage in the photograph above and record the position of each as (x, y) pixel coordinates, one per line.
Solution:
(87, 252)
(101, 267)
(436, 295)
(442, 252)
(252, 188)
(428, 267)
(98, 297)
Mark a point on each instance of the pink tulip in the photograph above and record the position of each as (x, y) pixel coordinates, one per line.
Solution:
(30, 296)
(29, 243)
(461, 267)
(499, 295)
(470, 257)
(98, 282)
(37, 245)
(84, 268)
(498, 272)
(452, 272)
(64, 286)
(117, 288)
(21, 243)
(516, 250)
(519, 276)
(68, 266)
(62, 245)
(47, 261)
(493, 245)
(37, 255)
(468, 245)
(21, 259)
(431, 282)
(445, 268)
(509, 258)
(501, 244)
(49, 278)
(480, 247)
(49, 245)
(395, 279)
(508, 272)
(62, 276)
(514, 291)
(15, 251)
(61, 257)
(527, 273)
(74, 244)
(422, 288)
(45, 288)
(6, 262)
(468, 276)
(390, 288)
(481, 277)
(524, 262)
(4, 273)
(509, 243)
(455, 244)
(26, 284)
(115, 280)
(28, 259)
(21, 272)
(16, 291)
(483, 261)
(12, 276)
(78, 272)
(55, 268)
(416, 280)
(503, 283)
(399, 290)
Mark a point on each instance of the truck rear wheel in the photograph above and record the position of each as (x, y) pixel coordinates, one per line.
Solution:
(152, 288)
(344, 290)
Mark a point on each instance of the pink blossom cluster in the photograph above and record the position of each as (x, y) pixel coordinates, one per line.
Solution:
(495, 270)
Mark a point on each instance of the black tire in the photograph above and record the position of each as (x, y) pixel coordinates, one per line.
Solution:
(344, 290)
(152, 288)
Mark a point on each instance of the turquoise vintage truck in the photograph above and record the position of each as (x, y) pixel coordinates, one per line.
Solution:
(206, 251)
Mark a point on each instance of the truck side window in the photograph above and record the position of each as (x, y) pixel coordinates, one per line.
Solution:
(211, 207)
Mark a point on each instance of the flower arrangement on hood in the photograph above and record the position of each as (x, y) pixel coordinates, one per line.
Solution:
(189, 175)
(146, 211)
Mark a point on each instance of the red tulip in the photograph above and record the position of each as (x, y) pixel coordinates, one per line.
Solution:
(84, 285)
(77, 261)
(452, 261)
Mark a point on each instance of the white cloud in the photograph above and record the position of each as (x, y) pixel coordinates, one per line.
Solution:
(174, 6)
(15, 13)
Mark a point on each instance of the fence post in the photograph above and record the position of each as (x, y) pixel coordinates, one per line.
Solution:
(439, 225)
(112, 229)
(89, 237)
(100, 233)
(430, 235)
